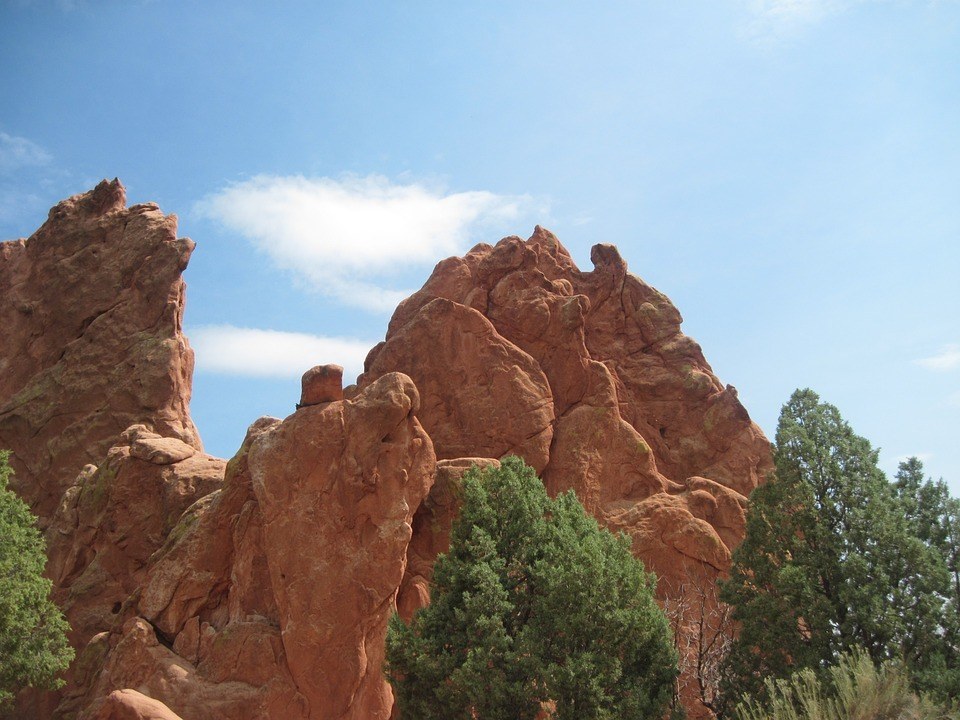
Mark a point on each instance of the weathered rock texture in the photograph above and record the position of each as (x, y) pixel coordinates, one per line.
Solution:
(271, 595)
(91, 308)
(109, 524)
(587, 376)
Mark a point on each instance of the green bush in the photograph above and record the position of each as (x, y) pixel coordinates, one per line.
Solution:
(535, 608)
(33, 642)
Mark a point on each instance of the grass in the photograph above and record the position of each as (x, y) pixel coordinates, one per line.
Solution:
(853, 689)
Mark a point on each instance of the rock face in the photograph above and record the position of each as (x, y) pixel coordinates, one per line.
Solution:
(587, 376)
(271, 595)
(91, 311)
(261, 588)
(340, 482)
(114, 518)
(131, 705)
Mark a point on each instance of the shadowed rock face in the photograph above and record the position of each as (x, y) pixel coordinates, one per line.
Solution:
(91, 311)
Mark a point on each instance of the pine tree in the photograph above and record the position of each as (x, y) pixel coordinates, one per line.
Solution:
(33, 643)
(829, 562)
(933, 516)
(533, 607)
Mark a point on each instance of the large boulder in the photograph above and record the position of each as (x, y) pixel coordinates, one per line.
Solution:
(131, 705)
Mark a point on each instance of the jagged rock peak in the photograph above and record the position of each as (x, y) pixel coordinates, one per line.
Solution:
(523, 340)
(92, 310)
(108, 196)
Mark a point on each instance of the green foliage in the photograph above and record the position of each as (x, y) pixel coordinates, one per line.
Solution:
(830, 561)
(934, 517)
(33, 644)
(853, 689)
(533, 607)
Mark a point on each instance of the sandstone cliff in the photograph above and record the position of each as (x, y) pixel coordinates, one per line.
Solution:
(261, 587)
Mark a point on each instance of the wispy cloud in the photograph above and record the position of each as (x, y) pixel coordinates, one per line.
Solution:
(347, 236)
(947, 359)
(253, 352)
(26, 172)
(772, 21)
(18, 152)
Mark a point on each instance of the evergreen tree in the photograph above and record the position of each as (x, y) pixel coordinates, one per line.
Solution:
(829, 561)
(533, 607)
(33, 643)
(934, 517)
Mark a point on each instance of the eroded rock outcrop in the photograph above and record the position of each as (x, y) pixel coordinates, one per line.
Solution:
(261, 587)
(600, 391)
(272, 594)
(587, 376)
(113, 519)
(91, 311)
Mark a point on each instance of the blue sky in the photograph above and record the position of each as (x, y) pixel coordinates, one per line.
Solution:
(787, 171)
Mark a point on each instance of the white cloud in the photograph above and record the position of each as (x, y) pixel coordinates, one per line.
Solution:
(771, 21)
(346, 236)
(271, 353)
(947, 359)
(17, 152)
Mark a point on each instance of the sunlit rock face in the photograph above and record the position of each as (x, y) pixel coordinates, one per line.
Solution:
(91, 311)
(271, 595)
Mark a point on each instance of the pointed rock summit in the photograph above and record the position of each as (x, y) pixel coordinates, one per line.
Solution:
(92, 312)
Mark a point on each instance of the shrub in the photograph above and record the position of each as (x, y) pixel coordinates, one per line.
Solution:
(33, 643)
(534, 609)
(853, 689)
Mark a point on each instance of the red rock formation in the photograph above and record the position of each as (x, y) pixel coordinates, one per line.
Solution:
(339, 483)
(201, 633)
(91, 317)
(588, 377)
(271, 595)
(463, 409)
(431, 532)
(321, 384)
(113, 518)
(131, 705)
(262, 588)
